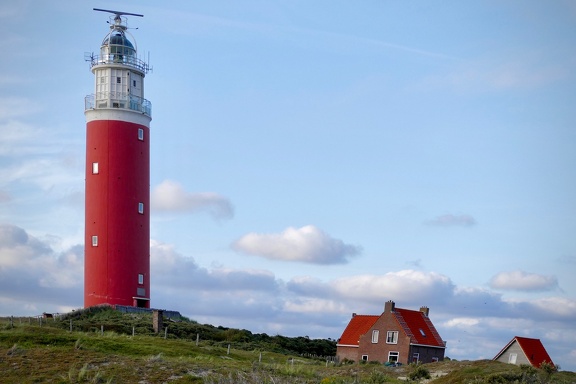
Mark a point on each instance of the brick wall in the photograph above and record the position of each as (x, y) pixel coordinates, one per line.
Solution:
(380, 350)
(350, 353)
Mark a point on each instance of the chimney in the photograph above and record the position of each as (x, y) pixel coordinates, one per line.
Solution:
(354, 314)
(425, 311)
(389, 306)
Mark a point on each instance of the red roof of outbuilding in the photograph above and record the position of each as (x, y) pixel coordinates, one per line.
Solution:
(419, 327)
(358, 325)
(532, 348)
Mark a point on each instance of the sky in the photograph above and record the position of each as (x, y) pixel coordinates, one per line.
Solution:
(310, 160)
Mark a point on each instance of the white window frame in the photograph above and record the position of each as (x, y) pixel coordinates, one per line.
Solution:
(95, 240)
(512, 358)
(95, 168)
(415, 357)
(393, 354)
(364, 357)
(140, 134)
(392, 337)
(140, 278)
(435, 359)
(375, 334)
(141, 208)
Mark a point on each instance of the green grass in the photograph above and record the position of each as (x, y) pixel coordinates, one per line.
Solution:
(30, 353)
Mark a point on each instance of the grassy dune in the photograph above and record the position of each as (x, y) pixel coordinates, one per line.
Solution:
(51, 353)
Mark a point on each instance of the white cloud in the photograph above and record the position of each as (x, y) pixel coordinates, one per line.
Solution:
(461, 322)
(408, 286)
(523, 281)
(307, 244)
(452, 221)
(512, 74)
(556, 307)
(170, 196)
(315, 306)
(31, 272)
(172, 271)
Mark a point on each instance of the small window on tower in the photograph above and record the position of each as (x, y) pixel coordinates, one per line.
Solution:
(140, 278)
(95, 168)
(133, 83)
(141, 208)
(94, 241)
(140, 134)
(118, 80)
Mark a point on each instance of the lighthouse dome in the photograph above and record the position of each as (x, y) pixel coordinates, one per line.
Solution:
(116, 43)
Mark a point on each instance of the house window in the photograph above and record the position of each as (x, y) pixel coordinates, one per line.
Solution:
(392, 337)
(140, 134)
(94, 168)
(134, 83)
(140, 278)
(364, 357)
(94, 241)
(375, 334)
(422, 332)
(434, 359)
(512, 358)
(118, 80)
(141, 208)
(393, 356)
(415, 357)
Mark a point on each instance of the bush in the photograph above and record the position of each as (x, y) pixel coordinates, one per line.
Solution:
(377, 377)
(419, 372)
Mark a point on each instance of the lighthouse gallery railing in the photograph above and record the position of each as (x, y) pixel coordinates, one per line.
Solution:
(120, 100)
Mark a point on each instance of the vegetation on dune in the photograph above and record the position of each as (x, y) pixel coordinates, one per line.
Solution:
(93, 319)
(50, 352)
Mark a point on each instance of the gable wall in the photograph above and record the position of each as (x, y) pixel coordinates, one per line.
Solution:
(514, 348)
(379, 351)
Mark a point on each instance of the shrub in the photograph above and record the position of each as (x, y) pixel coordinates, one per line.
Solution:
(377, 377)
(419, 372)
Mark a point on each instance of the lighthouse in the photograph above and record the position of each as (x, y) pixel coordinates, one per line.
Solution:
(117, 208)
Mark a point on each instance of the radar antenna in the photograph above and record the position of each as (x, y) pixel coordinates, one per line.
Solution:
(117, 13)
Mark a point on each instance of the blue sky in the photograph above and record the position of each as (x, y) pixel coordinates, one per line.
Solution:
(311, 160)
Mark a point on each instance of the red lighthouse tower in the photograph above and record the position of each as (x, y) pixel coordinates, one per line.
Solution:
(117, 226)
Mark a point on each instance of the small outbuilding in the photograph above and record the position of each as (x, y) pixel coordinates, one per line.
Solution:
(524, 350)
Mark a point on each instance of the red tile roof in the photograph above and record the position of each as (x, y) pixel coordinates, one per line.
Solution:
(532, 348)
(358, 325)
(419, 327)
